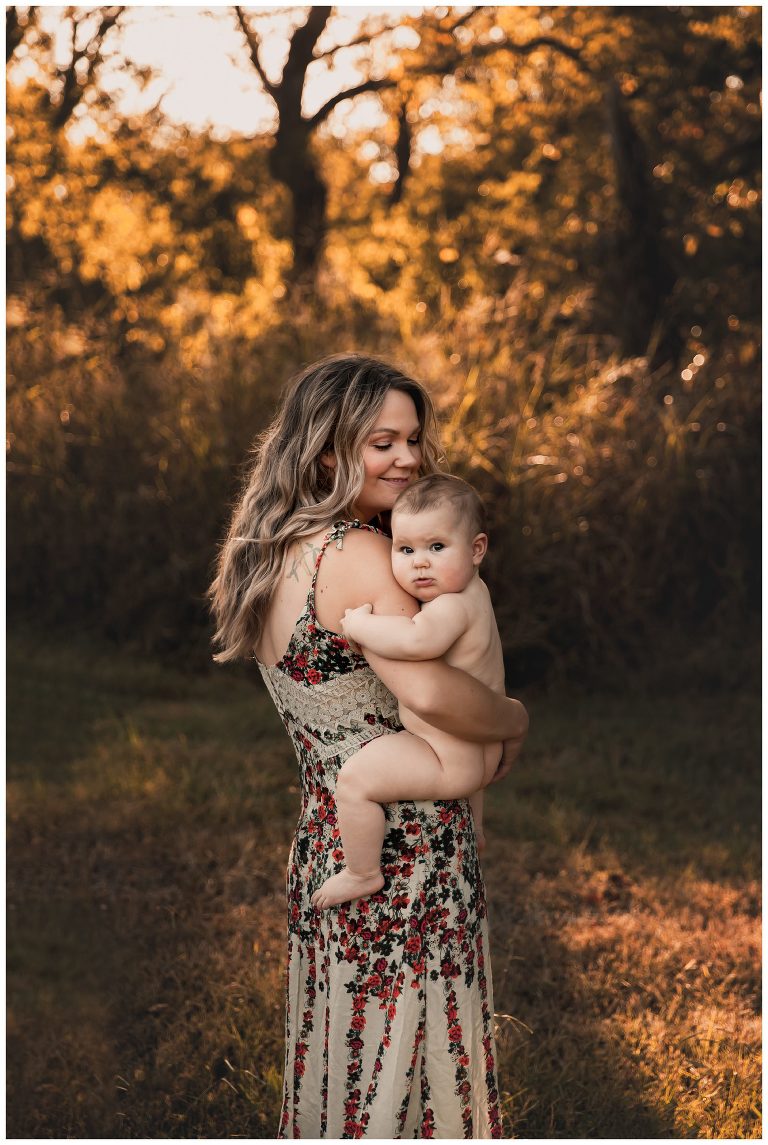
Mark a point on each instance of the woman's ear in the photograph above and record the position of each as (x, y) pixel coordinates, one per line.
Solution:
(328, 459)
(479, 548)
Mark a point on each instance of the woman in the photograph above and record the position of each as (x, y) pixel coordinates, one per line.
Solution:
(389, 1019)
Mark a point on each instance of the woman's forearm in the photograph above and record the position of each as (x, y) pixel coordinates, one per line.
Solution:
(452, 700)
(464, 707)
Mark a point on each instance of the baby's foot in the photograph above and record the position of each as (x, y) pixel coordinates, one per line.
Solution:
(346, 886)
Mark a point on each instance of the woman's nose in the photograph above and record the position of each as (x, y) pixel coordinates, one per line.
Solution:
(406, 456)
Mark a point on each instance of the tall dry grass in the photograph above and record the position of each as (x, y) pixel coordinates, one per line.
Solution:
(624, 503)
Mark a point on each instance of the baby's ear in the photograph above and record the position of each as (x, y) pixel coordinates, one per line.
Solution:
(479, 548)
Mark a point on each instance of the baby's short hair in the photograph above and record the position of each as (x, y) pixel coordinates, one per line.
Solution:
(439, 488)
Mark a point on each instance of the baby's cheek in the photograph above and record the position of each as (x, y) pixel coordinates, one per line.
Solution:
(401, 575)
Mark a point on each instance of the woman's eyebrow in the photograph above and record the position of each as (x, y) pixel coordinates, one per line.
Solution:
(383, 429)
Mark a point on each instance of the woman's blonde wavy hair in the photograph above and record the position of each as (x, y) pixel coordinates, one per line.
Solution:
(289, 493)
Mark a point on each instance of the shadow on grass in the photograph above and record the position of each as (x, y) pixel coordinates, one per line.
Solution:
(146, 851)
(145, 989)
(616, 812)
(62, 697)
(149, 817)
(562, 1075)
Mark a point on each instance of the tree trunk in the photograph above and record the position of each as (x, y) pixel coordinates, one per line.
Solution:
(291, 160)
(292, 163)
(402, 155)
(647, 275)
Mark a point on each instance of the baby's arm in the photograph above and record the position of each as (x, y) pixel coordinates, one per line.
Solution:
(427, 635)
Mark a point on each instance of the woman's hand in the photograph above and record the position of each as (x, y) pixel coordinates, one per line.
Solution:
(510, 752)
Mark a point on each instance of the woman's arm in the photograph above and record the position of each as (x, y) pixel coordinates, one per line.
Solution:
(512, 749)
(452, 700)
(441, 695)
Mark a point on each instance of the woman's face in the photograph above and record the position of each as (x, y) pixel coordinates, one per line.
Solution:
(392, 455)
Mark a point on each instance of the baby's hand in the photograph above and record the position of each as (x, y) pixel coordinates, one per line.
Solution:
(350, 614)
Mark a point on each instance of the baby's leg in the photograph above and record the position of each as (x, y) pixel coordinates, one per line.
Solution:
(389, 769)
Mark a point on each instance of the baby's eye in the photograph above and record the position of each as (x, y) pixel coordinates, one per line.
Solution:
(406, 549)
(437, 547)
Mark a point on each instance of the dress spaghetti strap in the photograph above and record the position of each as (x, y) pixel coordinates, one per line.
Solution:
(336, 533)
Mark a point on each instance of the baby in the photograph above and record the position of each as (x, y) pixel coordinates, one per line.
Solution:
(438, 544)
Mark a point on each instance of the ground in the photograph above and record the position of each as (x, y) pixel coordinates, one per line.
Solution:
(150, 813)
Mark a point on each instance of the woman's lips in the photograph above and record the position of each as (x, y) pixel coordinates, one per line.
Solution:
(398, 482)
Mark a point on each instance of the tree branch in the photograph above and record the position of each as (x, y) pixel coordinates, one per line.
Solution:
(301, 51)
(473, 54)
(525, 49)
(14, 29)
(92, 50)
(109, 19)
(366, 38)
(73, 91)
(463, 19)
(402, 154)
(369, 85)
(254, 43)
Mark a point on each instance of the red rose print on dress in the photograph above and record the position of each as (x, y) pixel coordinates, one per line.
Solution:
(361, 974)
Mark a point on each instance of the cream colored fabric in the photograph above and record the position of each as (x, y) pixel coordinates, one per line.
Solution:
(389, 1016)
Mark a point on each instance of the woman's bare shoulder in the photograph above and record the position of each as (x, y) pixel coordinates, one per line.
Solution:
(362, 554)
(360, 572)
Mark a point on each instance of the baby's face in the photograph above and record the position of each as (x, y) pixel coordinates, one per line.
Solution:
(434, 552)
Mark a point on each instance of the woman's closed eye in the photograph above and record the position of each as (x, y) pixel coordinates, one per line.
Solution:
(383, 445)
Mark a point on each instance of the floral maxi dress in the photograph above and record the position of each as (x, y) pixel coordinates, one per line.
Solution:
(389, 1010)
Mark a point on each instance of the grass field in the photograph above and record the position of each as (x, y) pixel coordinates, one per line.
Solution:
(149, 818)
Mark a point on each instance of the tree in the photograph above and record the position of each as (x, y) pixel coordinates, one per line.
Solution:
(292, 161)
(90, 30)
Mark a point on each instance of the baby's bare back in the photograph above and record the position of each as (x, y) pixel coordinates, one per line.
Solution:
(477, 652)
